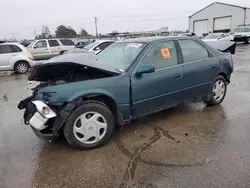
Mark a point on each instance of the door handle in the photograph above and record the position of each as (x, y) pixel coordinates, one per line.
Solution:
(177, 75)
(213, 67)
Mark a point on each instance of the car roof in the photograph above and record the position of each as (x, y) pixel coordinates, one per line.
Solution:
(155, 39)
(8, 43)
(101, 41)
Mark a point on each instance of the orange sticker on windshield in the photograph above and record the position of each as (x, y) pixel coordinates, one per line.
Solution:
(165, 53)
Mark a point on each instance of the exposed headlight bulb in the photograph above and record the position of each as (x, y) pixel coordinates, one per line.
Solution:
(45, 111)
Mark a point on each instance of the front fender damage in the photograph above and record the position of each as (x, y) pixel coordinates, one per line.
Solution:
(65, 112)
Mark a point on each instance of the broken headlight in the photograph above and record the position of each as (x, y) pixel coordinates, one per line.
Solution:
(44, 109)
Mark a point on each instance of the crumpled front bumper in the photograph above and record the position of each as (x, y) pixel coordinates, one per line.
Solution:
(34, 115)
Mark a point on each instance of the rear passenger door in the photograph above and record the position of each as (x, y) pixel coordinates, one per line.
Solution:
(55, 48)
(199, 66)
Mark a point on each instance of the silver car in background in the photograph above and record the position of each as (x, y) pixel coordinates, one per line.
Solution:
(98, 46)
(47, 48)
(14, 56)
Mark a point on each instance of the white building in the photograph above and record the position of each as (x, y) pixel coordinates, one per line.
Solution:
(218, 17)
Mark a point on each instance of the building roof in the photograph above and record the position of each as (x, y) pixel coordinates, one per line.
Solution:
(237, 6)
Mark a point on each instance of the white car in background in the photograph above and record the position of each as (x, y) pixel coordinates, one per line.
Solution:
(47, 48)
(98, 46)
(217, 37)
(14, 56)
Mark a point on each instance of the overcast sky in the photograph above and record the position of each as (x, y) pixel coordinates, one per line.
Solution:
(22, 17)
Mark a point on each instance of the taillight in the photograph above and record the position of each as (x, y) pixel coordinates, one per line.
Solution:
(31, 58)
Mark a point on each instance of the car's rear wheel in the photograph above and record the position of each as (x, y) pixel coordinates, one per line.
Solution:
(217, 92)
(89, 126)
(21, 67)
(62, 52)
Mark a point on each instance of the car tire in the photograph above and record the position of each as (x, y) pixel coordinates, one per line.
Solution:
(62, 52)
(89, 126)
(247, 41)
(21, 67)
(217, 92)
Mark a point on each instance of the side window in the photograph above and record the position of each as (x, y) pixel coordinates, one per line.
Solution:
(66, 42)
(41, 44)
(103, 45)
(162, 55)
(224, 35)
(221, 36)
(53, 43)
(15, 49)
(192, 51)
(4, 49)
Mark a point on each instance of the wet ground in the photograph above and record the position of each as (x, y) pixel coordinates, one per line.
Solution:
(190, 146)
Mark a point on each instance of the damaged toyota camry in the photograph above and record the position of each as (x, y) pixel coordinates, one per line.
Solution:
(84, 96)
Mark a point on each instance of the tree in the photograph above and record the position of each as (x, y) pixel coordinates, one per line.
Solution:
(45, 31)
(64, 32)
(83, 33)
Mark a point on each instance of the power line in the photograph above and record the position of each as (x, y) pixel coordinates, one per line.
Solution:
(138, 20)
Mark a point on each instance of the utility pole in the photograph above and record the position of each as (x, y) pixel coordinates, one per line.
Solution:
(35, 33)
(96, 32)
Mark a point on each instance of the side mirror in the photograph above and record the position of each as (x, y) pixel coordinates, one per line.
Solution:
(219, 38)
(97, 48)
(35, 47)
(145, 68)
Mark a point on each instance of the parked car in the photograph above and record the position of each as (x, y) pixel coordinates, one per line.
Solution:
(98, 46)
(15, 57)
(85, 95)
(217, 37)
(47, 48)
(83, 42)
(241, 33)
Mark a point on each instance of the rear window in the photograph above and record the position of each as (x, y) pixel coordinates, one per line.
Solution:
(15, 49)
(67, 42)
(4, 49)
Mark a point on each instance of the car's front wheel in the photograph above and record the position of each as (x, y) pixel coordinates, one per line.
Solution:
(89, 126)
(217, 92)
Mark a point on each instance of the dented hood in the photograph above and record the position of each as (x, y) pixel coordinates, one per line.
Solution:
(223, 46)
(59, 66)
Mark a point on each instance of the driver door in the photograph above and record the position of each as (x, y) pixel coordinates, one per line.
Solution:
(160, 89)
(40, 50)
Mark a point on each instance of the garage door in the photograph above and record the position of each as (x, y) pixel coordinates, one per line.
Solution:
(222, 24)
(201, 27)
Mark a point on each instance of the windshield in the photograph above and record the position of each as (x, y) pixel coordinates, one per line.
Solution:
(91, 45)
(211, 36)
(121, 55)
(31, 44)
(240, 30)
